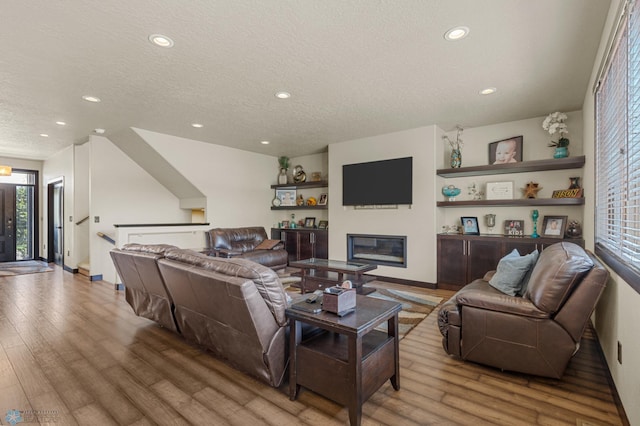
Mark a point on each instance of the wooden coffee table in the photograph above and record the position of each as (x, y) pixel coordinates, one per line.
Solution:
(349, 360)
(320, 273)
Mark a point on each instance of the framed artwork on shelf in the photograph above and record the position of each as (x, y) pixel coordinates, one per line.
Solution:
(506, 151)
(499, 191)
(322, 201)
(514, 228)
(554, 226)
(287, 196)
(470, 225)
(285, 223)
(310, 222)
(323, 224)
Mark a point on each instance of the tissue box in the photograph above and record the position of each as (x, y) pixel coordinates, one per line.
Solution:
(339, 300)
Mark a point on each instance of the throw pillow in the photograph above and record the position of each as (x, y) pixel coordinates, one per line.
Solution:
(511, 271)
(268, 244)
(525, 281)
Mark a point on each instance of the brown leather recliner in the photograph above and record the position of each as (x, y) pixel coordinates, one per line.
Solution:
(534, 334)
(145, 289)
(243, 243)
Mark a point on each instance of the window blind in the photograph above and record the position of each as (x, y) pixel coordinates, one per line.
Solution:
(618, 148)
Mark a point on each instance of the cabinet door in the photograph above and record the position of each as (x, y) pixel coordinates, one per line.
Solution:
(452, 262)
(523, 247)
(321, 245)
(305, 246)
(291, 244)
(482, 256)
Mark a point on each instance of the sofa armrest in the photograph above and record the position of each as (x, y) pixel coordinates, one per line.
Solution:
(487, 277)
(480, 294)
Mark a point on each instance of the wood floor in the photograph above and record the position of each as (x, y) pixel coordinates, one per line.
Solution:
(73, 352)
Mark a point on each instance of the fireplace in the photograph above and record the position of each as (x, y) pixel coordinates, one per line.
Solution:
(389, 250)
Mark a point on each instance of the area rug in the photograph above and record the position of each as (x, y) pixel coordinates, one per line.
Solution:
(8, 269)
(415, 306)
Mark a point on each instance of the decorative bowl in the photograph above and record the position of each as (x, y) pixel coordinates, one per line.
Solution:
(451, 192)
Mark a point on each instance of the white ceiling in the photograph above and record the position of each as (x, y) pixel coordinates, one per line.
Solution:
(354, 68)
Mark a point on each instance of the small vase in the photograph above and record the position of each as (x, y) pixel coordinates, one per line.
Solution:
(282, 176)
(561, 152)
(456, 158)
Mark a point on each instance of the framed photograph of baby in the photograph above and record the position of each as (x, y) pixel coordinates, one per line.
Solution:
(506, 151)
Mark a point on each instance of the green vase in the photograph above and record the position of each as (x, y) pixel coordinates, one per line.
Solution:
(561, 152)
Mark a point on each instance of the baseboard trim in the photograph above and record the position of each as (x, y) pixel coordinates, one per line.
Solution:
(422, 284)
(95, 277)
(68, 269)
(119, 287)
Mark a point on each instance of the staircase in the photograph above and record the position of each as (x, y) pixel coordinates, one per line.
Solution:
(84, 268)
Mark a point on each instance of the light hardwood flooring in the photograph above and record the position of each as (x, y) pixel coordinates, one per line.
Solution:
(73, 352)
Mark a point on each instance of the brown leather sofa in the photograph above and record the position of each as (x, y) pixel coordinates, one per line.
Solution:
(145, 290)
(534, 334)
(233, 307)
(245, 243)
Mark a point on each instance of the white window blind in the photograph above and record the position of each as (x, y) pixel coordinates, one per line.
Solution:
(618, 148)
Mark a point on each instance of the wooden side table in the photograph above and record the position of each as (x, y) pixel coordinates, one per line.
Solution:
(349, 360)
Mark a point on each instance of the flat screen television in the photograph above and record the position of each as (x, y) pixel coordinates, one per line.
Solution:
(378, 182)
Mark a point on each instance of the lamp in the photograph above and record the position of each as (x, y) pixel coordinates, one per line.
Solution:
(5, 170)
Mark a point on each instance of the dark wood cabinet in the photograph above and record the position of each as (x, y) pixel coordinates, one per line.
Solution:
(464, 258)
(303, 243)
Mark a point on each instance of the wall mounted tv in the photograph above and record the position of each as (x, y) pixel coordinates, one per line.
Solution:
(378, 182)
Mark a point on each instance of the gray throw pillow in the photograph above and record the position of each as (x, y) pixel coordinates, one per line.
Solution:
(511, 272)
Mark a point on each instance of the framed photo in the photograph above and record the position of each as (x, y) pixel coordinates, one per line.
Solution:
(285, 223)
(506, 151)
(470, 225)
(514, 228)
(310, 222)
(554, 226)
(323, 224)
(322, 201)
(499, 191)
(287, 197)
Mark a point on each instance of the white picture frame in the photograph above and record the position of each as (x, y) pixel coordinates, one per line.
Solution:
(499, 190)
(287, 197)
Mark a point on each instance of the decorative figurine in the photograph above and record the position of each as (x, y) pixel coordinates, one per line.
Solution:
(531, 190)
(574, 229)
(300, 200)
(299, 175)
(475, 192)
(534, 216)
(574, 182)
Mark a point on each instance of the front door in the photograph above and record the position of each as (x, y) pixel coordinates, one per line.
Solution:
(7, 223)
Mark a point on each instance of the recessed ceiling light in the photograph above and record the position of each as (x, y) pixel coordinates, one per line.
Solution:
(61, 123)
(283, 95)
(488, 91)
(161, 40)
(456, 33)
(89, 98)
(197, 125)
(44, 135)
(264, 142)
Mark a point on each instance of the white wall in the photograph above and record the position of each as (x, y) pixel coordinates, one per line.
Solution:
(236, 183)
(475, 152)
(618, 313)
(416, 222)
(121, 192)
(81, 179)
(60, 167)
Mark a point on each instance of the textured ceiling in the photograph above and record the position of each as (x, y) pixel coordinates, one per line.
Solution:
(354, 68)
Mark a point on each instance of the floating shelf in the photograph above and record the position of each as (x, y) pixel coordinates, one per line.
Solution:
(515, 203)
(522, 167)
(300, 208)
(318, 184)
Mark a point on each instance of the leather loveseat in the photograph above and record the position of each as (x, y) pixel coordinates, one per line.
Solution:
(233, 307)
(536, 333)
(248, 243)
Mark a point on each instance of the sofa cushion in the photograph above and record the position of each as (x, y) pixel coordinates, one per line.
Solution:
(265, 279)
(237, 239)
(511, 272)
(560, 267)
